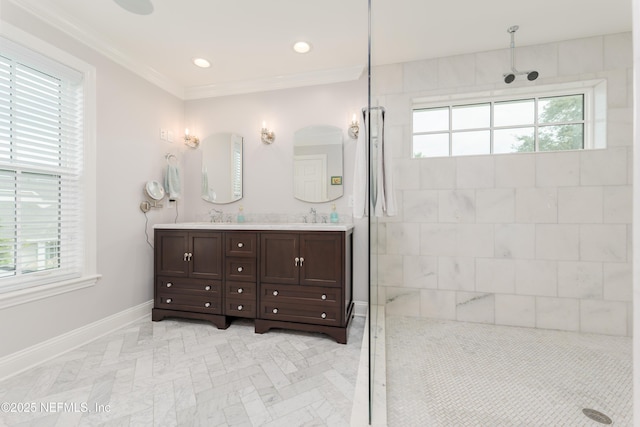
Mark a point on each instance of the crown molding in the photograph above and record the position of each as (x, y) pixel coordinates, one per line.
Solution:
(46, 12)
(56, 19)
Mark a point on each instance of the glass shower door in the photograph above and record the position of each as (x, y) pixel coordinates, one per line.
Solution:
(374, 126)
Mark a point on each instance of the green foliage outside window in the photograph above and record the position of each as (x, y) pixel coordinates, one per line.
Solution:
(553, 136)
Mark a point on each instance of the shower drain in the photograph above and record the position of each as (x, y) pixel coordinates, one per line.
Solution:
(597, 416)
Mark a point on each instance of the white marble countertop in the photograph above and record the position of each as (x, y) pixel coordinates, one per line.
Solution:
(256, 226)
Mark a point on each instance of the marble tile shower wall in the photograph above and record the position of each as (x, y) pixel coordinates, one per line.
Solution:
(537, 240)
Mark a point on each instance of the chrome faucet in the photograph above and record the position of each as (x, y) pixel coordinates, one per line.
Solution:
(314, 215)
(216, 215)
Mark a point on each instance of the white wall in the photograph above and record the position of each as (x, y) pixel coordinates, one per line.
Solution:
(268, 169)
(537, 240)
(130, 112)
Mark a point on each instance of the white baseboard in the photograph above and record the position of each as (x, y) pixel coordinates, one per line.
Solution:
(360, 308)
(22, 360)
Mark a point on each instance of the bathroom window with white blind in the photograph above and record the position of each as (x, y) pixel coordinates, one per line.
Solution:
(41, 170)
(542, 121)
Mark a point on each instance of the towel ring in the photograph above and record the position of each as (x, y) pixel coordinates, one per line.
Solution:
(171, 159)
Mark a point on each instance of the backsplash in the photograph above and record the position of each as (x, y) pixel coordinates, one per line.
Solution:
(223, 215)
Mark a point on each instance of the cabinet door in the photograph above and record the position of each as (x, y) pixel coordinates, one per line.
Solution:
(170, 250)
(323, 256)
(278, 258)
(206, 260)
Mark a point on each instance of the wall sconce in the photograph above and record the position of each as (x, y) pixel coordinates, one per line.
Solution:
(190, 140)
(354, 128)
(267, 136)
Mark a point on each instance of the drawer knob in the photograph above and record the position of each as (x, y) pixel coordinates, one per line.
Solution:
(275, 293)
(169, 300)
(240, 307)
(240, 290)
(207, 288)
(240, 244)
(324, 296)
(323, 315)
(240, 269)
(275, 311)
(207, 304)
(169, 284)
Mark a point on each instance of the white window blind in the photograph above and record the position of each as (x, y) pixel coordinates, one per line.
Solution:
(236, 170)
(41, 158)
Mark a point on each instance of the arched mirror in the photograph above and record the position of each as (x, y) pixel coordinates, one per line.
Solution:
(221, 168)
(317, 164)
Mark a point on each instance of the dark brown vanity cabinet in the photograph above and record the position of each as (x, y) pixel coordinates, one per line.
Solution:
(188, 276)
(282, 279)
(305, 282)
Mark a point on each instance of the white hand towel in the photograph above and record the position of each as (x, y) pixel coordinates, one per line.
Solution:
(385, 200)
(172, 182)
(382, 195)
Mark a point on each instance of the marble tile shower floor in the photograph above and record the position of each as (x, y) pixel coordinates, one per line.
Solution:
(178, 372)
(445, 373)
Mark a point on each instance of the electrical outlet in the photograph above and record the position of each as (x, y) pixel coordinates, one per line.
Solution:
(170, 136)
(350, 202)
(163, 134)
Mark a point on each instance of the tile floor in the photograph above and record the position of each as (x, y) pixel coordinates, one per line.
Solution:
(179, 372)
(444, 373)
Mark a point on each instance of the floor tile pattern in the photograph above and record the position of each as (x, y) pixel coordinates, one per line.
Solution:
(188, 373)
(443, 373)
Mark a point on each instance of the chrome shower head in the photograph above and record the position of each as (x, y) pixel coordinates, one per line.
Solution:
(510, 77)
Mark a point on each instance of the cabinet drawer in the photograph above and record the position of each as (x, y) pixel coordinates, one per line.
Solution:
(323, 296)
(328, 315)
(242, 290)
(241, 269)
(210, 304)
(193, 286)
(241, 244)
(240, 307)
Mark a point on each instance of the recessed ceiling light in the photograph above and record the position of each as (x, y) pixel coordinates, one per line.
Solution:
(302, 47)
(139, 7)
(201, 62)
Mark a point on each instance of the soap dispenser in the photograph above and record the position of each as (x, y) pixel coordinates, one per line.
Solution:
(240, 214)
(334, 215)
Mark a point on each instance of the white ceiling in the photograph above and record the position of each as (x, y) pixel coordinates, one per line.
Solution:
(249, 41)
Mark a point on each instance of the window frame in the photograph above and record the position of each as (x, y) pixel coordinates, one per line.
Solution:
(594, 92)
(88, 274)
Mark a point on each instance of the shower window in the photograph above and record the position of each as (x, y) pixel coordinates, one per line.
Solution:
(552, 121)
